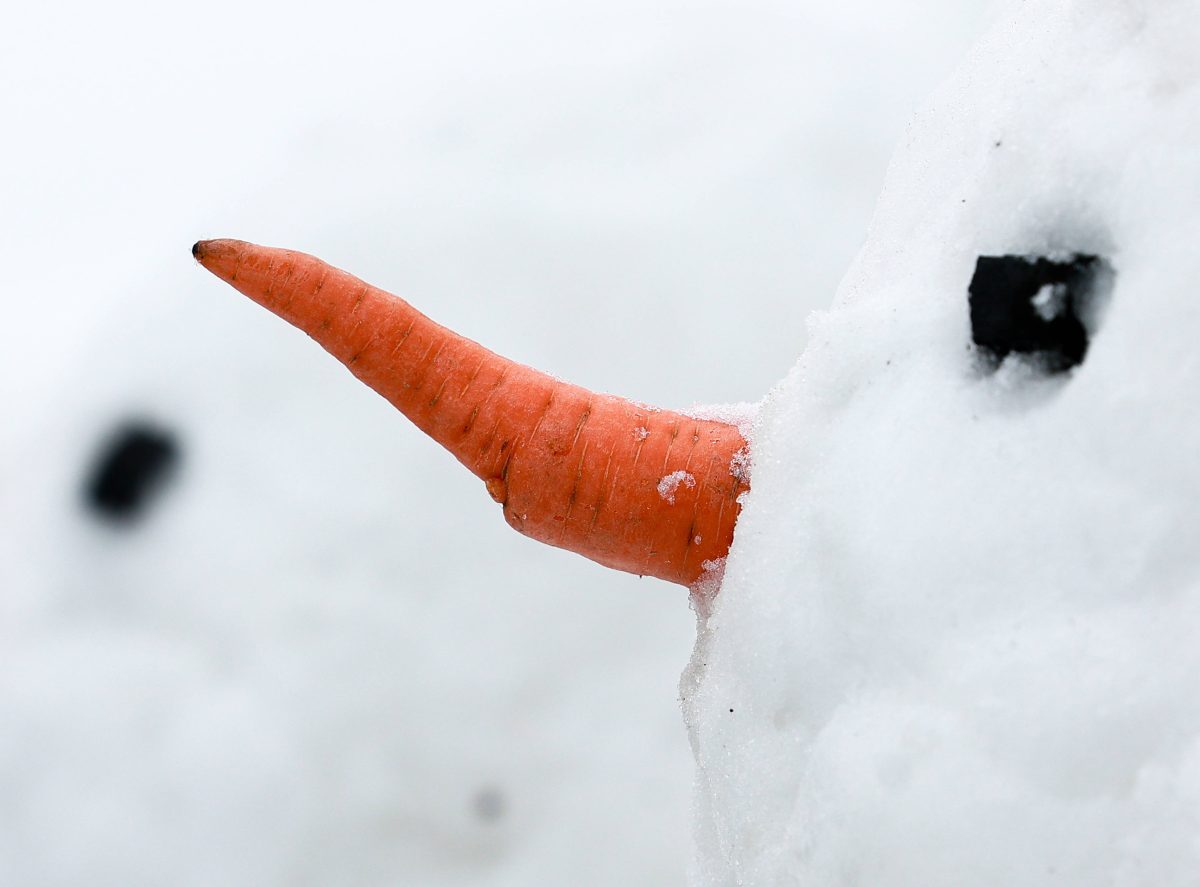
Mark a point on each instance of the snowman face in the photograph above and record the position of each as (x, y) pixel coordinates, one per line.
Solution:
(955, 643)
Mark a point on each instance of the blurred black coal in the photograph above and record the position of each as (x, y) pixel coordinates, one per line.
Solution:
(489, 804)
(129, 470)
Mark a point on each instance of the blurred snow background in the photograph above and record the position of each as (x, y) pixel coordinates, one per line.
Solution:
(321, 657)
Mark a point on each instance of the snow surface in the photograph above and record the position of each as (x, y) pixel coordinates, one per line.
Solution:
(956, 639)
(291, 671)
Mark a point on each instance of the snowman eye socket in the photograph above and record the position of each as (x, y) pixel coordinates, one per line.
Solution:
(1045, 308)
(129, 470)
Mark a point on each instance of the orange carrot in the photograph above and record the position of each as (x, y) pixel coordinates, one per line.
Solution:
(643, 490)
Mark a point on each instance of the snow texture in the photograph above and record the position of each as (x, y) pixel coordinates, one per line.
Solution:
(956, 639)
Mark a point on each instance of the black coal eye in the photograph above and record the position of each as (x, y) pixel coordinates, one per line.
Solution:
(129, 470)
(1041, 307)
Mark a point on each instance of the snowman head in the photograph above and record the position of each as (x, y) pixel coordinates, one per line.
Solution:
(955, 639)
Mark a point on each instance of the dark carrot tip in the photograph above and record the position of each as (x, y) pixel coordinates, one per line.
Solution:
(221, 256)
(205, 251)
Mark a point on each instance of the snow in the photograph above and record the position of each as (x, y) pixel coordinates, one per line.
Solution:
(668, 484)
(1050, 301)
(955, 640)
(741, 466)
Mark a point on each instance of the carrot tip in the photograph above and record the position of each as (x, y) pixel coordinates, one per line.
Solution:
(212, 253)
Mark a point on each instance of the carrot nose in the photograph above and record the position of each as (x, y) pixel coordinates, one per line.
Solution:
(639, 489)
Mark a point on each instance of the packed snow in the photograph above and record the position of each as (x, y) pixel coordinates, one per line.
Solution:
(956, 638)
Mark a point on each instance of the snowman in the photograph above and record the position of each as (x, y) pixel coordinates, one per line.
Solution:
(953, 642)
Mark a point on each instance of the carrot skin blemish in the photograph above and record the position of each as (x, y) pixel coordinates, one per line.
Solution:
(574, 469)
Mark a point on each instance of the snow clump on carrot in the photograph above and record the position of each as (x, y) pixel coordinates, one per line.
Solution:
(669, 484)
